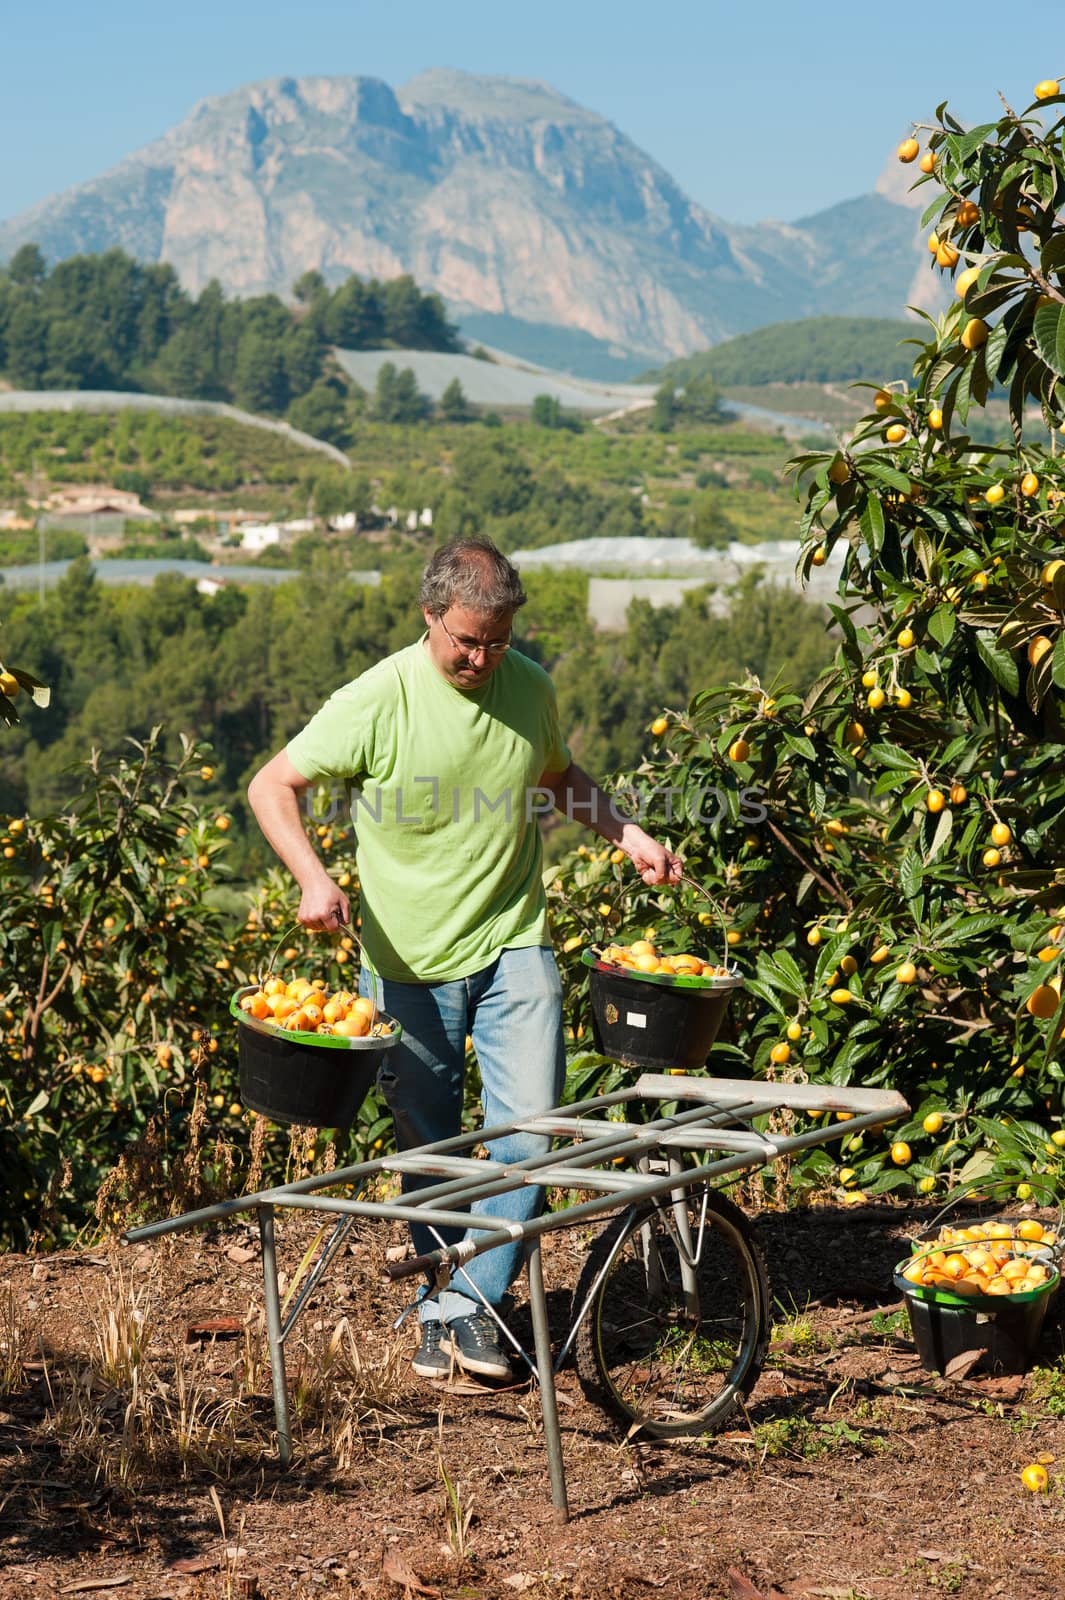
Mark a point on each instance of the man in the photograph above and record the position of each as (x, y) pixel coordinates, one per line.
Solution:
(454, 746)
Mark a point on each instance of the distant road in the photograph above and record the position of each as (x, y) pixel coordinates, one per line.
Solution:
(127, 571)
(121, 571)
(103, 400)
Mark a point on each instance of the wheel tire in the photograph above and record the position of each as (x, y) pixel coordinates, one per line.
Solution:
(642, 1353)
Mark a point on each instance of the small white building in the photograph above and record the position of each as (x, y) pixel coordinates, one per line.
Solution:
(255, 536)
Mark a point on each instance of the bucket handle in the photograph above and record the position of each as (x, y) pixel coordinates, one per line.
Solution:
(364, 962)
(693, 883)
(992, 1190)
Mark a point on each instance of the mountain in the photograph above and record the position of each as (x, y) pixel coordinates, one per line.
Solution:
(520, 207)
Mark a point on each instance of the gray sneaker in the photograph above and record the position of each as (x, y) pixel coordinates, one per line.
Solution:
(476, 1343)
(432, 1359)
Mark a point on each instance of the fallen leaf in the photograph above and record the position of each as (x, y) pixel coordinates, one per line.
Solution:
(1008, 1388)
(213, 1328)
(397, 1571)
(193, 1564)
(961, 1365)
(240, 1254)
(743, 1588)
(520, 1581)
(84, 1584)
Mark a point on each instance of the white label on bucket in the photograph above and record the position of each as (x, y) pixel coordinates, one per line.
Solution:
(636, 1019)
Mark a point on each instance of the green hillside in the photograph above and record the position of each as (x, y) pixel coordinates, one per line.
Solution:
(813, 350)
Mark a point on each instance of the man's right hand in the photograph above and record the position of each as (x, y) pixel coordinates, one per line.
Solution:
(324, 906)
(274, 794)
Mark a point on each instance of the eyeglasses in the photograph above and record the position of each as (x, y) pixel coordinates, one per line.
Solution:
(470, 647)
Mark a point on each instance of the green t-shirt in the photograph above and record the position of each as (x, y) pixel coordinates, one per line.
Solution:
(445, 811)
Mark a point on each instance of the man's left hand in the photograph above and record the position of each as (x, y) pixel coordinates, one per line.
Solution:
(653, 861)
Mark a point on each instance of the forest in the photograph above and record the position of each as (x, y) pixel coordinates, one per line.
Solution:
(243, 669)
(109, 322)
(813, 350)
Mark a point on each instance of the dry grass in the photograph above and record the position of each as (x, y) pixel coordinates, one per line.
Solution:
(131, 1411)
(458, 1512)
(14, 1343)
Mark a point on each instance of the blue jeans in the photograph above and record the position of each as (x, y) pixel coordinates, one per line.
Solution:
(513, 1012)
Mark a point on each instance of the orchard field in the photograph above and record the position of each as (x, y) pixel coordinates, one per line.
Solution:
(895, 901)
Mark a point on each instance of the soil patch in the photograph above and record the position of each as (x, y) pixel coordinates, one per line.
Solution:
(856, 1474)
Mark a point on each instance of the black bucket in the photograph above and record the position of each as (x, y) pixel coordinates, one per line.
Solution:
(1007, 1339)
(314, 1081)
(947, 1323)
(652, 1021)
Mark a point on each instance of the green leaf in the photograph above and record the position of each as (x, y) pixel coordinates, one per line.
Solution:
(39, 693)
(1048, 328)
(772, 970)
(963, 390)
(1058, 668)
(962, 146)
(997, 660)
(942, 370)
(1040, 678)
(1052, 254)
(958, 930)
(944, 825)
(871, 522)
(911, 874)
(788, 965)
(892, 755)
(925, 551)
(941, 624)
(980, 1165)
(894, 479)
(853, 1053)
(842, 616)
(766, 992)
(822, 687)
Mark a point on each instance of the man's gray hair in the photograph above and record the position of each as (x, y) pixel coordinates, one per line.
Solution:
(473, 574)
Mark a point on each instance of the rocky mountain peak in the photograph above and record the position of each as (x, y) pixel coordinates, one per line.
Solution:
(518, 205)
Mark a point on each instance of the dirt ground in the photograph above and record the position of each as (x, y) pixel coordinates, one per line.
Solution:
(857, 1475)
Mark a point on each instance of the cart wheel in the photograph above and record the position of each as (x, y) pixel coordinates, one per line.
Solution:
(677, 1322)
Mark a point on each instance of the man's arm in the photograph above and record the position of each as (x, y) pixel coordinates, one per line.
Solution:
(274, 796)
(580, 798)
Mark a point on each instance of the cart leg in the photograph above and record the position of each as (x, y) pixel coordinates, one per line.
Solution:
(273, 1334)
(546, 1374)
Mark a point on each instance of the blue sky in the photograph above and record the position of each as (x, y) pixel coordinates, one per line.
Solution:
(757, 107)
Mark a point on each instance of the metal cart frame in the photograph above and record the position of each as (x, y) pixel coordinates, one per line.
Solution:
(592, 1142)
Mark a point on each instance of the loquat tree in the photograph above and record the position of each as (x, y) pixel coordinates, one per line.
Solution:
(886, 847)
(112, 980)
